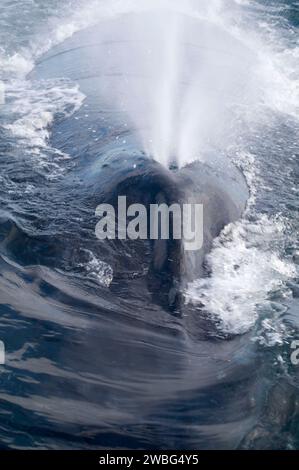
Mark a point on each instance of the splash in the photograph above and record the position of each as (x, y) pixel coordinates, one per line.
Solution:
(245, 273)
(30, 111)
(177, 73)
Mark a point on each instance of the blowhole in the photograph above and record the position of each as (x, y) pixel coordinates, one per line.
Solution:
(173, 166)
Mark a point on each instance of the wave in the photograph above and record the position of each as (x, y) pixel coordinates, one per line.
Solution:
(34, 108)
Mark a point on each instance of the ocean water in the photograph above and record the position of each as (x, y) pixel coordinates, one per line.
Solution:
(91, 361)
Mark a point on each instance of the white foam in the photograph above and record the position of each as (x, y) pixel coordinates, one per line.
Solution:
(277, 52)
(244, 273)
(16, 65)
(97, 270)
(246, 267)
(33, 107)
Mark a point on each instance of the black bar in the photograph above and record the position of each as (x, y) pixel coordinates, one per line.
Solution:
(137, 459)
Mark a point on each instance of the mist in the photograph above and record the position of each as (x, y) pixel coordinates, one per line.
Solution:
(177, 74)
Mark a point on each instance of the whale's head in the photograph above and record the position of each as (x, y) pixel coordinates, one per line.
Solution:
(171, 218)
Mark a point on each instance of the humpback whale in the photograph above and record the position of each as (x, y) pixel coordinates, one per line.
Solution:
(100, 367)
(93, 58)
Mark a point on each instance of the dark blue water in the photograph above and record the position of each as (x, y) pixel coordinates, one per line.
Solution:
(93, 360)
